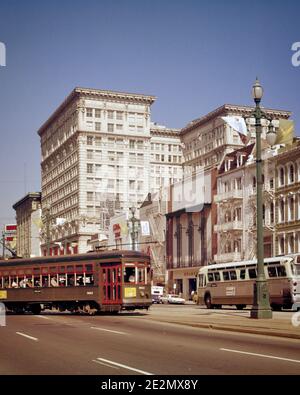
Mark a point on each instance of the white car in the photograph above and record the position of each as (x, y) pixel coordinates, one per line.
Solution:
(174, 299)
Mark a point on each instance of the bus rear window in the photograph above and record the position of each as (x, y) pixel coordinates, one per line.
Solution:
(242, 274)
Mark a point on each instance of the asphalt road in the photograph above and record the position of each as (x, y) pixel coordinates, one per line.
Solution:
(131, 343)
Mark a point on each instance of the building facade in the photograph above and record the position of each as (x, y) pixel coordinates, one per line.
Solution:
(166, 157)
(95, 161)
(236, 205)
(287, 213)
(28, 217)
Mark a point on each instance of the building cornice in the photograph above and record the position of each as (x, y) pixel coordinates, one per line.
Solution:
(29, 196)
(232, 109)
(165, 132)
(96, 93)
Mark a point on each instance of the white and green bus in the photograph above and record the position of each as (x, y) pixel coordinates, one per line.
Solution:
(232, 283)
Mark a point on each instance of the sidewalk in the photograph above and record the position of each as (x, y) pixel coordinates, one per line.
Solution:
(230, 320)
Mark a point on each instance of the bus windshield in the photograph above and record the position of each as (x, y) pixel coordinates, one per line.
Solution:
(296, 270)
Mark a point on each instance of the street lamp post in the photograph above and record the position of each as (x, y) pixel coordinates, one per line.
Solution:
(134, 227)
(261, 303)
(46, 220)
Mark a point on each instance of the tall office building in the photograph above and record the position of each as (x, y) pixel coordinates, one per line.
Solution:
(95, 162)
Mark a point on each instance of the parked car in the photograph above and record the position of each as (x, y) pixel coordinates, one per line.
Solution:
(172, 299)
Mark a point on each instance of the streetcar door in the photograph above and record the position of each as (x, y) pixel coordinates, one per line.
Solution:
(111, 283)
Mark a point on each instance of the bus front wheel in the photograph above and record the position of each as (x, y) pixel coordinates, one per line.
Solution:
(208, 301)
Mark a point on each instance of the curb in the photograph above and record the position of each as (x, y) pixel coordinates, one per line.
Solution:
(253, 331)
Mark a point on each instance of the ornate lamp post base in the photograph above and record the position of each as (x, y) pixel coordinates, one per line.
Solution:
(261, 307)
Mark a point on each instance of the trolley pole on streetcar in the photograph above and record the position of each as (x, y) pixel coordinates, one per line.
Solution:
(261, 302)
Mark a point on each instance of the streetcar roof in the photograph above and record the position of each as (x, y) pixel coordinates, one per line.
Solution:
(233, 265)
(74, 258)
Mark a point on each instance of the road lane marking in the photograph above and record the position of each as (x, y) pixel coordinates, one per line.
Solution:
(42, 316)
(125, 367)
(105, 364)
(261, 355)
(28, 337)
(108, 330)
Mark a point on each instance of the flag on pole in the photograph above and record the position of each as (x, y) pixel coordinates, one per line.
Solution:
(238, 124)
(286, 131)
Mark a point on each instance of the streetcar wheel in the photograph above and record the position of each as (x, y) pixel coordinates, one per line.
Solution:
(36, 309)
(208, 302)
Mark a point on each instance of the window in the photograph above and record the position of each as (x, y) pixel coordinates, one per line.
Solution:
(129, 275)
(291, 209)
(281, 176)
(217, 276)
(89, 168)
(89, 112)
(110, 127)
(281, 272)
(291, 174)
(210, 277)
(119, 115)
(233, 275)
(272, 271)
(110, 114)
(89, 196)
(98, 126)
(97, 113)
(242, 274)
(131, 144)
(252, 273)
(89, 140)
(226, 276)
(119, 127)
(281, 211)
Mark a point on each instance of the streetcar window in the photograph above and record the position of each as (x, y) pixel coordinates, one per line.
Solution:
(272, 271)
(141, 274)
(79, 268)
(70, 269)
(252, 273)
(217, 276)
(89, 268)
(71, 280)
(281, 271)
(129, 275)
(233, 275)
(242, 274)
(53, 270)
(226, 276)
(45, 280)
(210, 277)
(6, 282)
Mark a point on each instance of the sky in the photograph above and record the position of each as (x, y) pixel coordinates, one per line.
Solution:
(193, 55)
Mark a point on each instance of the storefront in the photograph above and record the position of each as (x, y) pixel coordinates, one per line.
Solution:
(183, 281)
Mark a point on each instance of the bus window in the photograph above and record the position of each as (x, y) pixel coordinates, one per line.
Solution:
(226, 276)
(242, 274)
(217, 276)
(252, 273)
(129, 274)
(281, 272)
(272, 271)
(232, 275)
(210, 277)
